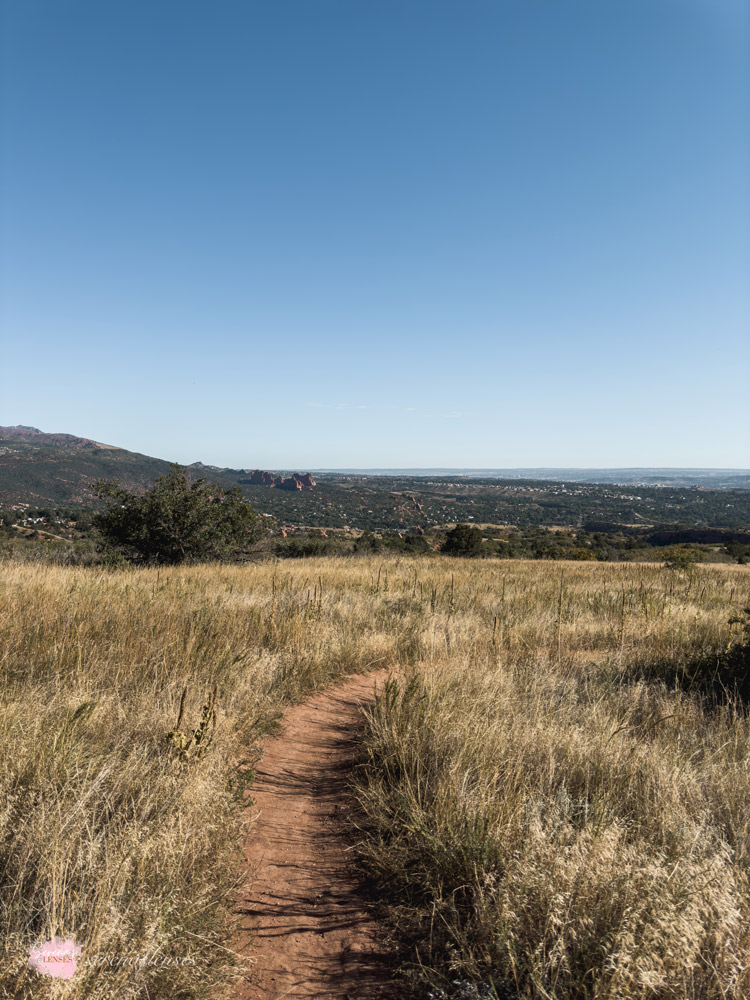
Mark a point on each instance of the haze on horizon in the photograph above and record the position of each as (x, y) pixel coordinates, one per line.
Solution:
(379, 235)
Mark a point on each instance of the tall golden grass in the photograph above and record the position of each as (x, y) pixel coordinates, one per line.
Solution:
(544, 812)
(109, 834)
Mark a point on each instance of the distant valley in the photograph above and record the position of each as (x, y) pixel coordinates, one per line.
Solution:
(38, 469)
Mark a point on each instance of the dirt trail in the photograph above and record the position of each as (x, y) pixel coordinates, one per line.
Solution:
(305, 929)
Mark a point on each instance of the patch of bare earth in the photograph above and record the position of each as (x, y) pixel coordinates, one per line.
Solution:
(305, 929)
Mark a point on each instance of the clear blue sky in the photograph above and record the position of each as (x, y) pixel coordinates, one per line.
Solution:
(308, 233)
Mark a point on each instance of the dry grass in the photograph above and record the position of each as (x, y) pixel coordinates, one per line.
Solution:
(544, 821)
(108, 835)
(543, 816)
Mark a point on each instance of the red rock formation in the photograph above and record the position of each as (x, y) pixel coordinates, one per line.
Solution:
(295, 482)
(261, 478)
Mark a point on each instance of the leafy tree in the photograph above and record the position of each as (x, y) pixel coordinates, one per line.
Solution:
(7, 518)
(416, 544)
(738, 551)
(175, 520)
(367, 542)
(463, 540)
(682, 558)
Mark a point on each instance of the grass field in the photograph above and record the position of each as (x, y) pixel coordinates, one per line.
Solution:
(539, 809)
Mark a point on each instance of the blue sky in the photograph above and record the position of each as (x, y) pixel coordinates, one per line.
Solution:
(329, 233)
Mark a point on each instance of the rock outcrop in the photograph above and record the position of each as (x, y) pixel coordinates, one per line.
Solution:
(295, 482)
(261, 478)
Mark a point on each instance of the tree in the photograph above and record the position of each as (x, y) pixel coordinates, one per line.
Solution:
(682, 558)
(175, 520)
(463, 540)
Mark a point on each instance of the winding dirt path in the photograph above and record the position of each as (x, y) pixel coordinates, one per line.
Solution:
(305, 930)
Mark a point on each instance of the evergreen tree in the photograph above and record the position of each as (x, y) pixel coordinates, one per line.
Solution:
(175, 520)
(463, 540)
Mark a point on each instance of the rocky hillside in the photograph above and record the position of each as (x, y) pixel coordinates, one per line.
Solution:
(40, 468)
(295, 482)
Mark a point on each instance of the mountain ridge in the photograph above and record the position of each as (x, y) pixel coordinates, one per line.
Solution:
(58, 468)
(50, 470)
(23, 432)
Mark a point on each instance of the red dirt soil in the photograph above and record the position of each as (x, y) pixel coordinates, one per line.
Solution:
(306, 931)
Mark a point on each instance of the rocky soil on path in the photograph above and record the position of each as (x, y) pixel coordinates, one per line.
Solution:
(305, 929)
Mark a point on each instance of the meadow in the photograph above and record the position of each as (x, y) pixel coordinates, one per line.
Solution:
(550, 804)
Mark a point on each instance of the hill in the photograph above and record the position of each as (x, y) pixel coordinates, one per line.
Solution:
(40, 468)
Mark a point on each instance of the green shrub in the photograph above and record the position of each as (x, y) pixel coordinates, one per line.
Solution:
(463, 540)
(175, 521)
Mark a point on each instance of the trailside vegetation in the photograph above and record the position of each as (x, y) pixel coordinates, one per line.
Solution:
(176, 520)
(552, 804)
(68, 536)
(554, 796)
